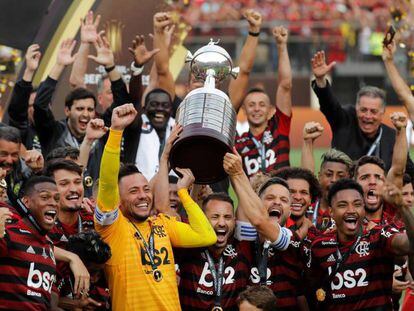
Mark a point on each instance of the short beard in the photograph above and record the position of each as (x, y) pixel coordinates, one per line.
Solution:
(369, 210)
(296, 217)
(72, 209)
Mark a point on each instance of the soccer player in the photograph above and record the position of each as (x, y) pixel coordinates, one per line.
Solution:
(215, 276)
(334, 166)
(257, 298)
(141, 271)
(353, 267)
(27, 255)
(278, 264)
(265, 147)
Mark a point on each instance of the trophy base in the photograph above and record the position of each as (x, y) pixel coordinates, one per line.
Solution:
(202, 151)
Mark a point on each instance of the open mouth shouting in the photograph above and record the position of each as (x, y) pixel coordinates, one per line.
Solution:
(372, 197)
(83, 123)
(222, 235)
(350, 222)
(49, 216)
(275, 213)
(159, 117)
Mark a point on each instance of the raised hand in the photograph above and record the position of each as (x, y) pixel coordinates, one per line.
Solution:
(161, 20)
(254, 19)
(280, 34)
(186, 180)
(105, 56)
(65, 56)
(89, 28)
(5, 215)
(33, 57)
(399, 120)
(175, 133)
(312, 130)
(34, 160)
(95, 129)
(140, 51)
(232, 163)
(319, 66)
(393, 195)
(123, 116)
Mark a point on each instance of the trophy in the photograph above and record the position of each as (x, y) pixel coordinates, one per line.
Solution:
(207, 117)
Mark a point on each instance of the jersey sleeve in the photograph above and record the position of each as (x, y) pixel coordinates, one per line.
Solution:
(197, 233)
(107, 214)
(281, 122)
(387, 234)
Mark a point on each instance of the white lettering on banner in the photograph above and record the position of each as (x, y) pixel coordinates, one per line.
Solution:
(37, 279)
(228, 277)
(255, 277)
(349, 279)
(253, 165)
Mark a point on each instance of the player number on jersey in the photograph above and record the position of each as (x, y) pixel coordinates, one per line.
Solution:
(228, 277)
(349, 279)
(253, 165)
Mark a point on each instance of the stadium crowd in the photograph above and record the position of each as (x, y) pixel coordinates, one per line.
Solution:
(92, 218)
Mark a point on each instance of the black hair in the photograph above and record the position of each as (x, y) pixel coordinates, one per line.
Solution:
(301, 173)
(218, 196)
(344, 184)
(11, 134)
(156, 90)
(89, 247)
(78, 93)
(63, 152)
(272, 181)
(406, 179)
(61, 164)
(127, 169)
(29, 184)
(368, 160)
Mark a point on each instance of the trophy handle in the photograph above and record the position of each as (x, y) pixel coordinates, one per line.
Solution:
(235, 72)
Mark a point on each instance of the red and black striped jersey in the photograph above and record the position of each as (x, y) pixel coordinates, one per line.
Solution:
(284, 271)
(196, 286)
(364, 280)
(60, 232)
(27, 269)
(275, 139)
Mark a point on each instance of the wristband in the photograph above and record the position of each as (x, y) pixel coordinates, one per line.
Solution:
(136, 70)
(109, 69)
(254, 34)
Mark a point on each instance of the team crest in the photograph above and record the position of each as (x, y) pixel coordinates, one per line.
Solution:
(229, 251)
(362, 249)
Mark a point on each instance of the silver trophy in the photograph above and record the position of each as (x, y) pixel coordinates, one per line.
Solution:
(207, 117)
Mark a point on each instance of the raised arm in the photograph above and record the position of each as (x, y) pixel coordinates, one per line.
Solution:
(250, 205)
(89, 35)
(43, 116)
(19, 101)
(400, 151)
(94, 130)
(284, 79)
(108, 194)
(311, 131)
(329, 104)
(238, 86)
(141, 56)
(160, 184)
(400, 86)
(403, 243)
(163, 25)
(198, 232)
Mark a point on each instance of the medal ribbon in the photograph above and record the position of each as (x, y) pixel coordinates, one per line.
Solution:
(261, 149)
(261, 259)
(217, 277)
(148, 247)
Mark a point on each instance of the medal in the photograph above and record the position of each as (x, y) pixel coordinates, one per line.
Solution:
(157, 275)
(320, 295)
(217, 308)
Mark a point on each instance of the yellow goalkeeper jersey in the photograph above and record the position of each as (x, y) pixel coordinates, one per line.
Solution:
(129, 271)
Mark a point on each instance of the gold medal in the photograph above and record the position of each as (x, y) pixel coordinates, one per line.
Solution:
(88, 181)
(320, 295)
(157, 275)
(217, 308)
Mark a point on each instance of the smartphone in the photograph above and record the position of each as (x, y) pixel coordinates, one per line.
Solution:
(389, 36)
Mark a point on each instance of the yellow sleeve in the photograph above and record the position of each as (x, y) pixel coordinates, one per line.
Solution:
(198, 233)
(108, 195)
